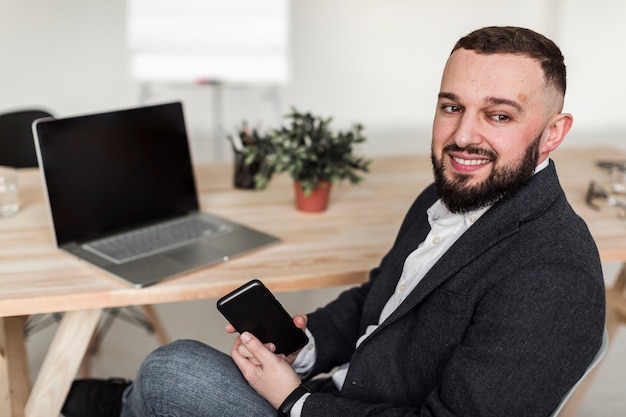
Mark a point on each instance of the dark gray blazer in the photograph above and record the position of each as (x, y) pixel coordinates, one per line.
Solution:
(503, 325)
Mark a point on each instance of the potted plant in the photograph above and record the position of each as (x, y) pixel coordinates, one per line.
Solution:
(313, 155)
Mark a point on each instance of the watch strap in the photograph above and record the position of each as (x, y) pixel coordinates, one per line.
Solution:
(287, 405)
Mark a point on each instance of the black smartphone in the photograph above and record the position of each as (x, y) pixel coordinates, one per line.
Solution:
(253, 308)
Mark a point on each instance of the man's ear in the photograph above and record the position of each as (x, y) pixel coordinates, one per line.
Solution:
(556, 131)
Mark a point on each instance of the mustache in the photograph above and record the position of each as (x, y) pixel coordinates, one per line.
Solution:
(472, 150)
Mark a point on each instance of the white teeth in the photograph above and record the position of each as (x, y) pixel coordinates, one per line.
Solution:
(471, 161)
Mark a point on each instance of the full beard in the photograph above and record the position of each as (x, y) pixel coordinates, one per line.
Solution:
(462, 198)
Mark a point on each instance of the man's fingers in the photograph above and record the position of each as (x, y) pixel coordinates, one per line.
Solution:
(300, 321)
(244, 352)
(256, 348)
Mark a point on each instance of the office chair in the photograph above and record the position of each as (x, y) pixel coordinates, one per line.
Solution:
(17, 149)
(601, 352)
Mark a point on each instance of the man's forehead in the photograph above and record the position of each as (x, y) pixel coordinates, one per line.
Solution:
(516, 67)
(501, 76)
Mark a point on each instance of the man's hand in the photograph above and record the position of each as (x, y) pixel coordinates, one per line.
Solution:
(269, 374)
(300, 320)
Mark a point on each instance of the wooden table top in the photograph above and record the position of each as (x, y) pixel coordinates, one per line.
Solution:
(337, 247)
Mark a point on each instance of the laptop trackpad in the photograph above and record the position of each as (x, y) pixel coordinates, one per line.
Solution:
(202, 253)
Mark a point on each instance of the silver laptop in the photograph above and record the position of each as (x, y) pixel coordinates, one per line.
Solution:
(122, 195)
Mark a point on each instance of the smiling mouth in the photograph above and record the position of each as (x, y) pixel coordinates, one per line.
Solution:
(470, 162)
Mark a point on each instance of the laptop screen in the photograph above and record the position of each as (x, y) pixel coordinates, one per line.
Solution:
(113, 171)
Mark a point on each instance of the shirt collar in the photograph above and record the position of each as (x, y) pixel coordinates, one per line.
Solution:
(438, 213)
(542, 165)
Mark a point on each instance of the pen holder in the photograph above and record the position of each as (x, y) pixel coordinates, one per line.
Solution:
(244, 173)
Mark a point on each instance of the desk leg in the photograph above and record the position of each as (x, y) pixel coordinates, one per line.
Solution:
(14, 375)
(61, 363)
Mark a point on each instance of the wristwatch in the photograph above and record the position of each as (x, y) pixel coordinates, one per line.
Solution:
(296, 394)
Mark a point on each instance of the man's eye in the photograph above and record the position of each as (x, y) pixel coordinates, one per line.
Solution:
(448, 108)
(500, 117)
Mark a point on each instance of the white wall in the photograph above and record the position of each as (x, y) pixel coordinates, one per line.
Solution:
(365, 61)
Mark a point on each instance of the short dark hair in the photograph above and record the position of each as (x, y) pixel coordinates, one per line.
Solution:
(517, 40)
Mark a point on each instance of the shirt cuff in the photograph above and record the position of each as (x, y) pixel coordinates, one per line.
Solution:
(306, 357)
(296, 410)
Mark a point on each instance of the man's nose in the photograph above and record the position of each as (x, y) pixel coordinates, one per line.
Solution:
(468, 131)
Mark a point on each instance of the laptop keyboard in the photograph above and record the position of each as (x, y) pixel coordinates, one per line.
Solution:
(154, 239)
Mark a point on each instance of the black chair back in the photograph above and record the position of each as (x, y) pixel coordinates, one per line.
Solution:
(17, 147)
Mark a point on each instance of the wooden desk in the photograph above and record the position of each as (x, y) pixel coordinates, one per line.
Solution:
(337, 247)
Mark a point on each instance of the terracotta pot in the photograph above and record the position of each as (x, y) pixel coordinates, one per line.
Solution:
(315, 202)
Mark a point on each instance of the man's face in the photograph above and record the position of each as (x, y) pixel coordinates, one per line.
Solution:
(490, 128)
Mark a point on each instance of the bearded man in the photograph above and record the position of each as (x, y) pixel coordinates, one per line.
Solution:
(489, 303)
